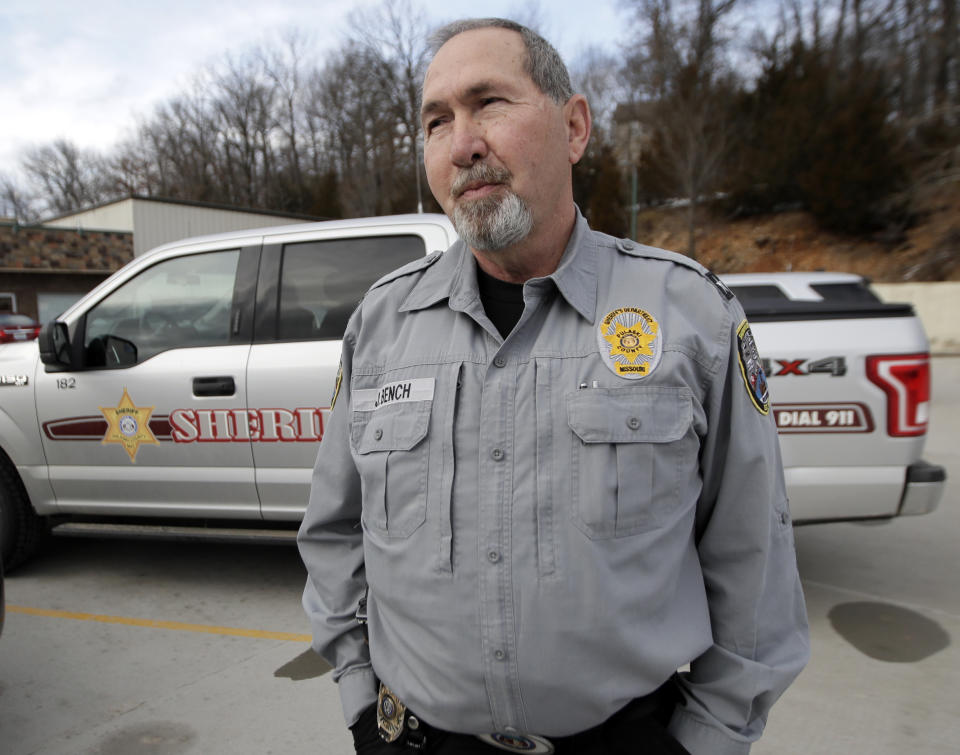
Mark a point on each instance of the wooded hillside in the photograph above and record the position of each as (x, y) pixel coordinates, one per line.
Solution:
(929, 250)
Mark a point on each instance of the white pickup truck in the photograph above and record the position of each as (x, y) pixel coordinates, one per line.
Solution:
(190, 388)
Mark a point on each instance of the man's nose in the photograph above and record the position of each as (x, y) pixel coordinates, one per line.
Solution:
(468, 145)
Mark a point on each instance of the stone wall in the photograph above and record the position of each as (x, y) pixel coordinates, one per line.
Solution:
(38, 259)
(59, 249)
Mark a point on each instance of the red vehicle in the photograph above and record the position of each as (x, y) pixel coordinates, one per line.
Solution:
(17, 327)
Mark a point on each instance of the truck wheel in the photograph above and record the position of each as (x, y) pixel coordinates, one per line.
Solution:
(20, 528)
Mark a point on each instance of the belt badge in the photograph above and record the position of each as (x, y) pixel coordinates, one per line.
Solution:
(390, 712)
(631, 342)
(517, 742)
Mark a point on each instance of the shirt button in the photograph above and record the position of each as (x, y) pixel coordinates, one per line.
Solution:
(633, 423)
(499, 654)
(378, 434)
(500, 361)
(497, 454)
(493, 557)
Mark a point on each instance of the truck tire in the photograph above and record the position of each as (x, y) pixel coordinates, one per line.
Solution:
(20, 528)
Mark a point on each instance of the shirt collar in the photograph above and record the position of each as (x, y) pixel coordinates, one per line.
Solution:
(454, 276)
(576, 276)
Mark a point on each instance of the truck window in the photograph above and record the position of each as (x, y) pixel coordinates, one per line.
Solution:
(322, 281)
(754, 293)
(177, 303)
(854, 292)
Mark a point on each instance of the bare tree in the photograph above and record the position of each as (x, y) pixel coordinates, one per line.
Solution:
(185, 142)
(912, 45)
(595, 73)
(65, 176)
(287, 68)
(361, 132)
(14, 202)
(947, 65)
(242, 100)
(393, 36)
(680, 69)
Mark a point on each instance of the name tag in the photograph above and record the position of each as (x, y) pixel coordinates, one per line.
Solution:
(399, 392)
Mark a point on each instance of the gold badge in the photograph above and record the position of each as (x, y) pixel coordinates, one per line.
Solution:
(631, 342)
(390, 713)
(128, 425)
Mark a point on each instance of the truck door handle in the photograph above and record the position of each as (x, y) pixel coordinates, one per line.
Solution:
(214, 386)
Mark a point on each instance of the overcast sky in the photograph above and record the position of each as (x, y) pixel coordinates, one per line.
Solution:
(85, 71)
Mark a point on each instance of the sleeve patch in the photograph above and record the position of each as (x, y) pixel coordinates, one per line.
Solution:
(751, 368)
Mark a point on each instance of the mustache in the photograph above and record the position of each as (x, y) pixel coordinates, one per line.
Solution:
(479, 172)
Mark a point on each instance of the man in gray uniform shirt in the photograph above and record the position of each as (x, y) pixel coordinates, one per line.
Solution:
(550, 478)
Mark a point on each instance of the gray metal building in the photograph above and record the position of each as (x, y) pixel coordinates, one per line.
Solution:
(154, 221)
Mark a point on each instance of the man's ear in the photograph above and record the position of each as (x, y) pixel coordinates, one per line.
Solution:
(577, 115)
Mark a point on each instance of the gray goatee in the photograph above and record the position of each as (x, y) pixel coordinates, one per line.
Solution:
(494, 222)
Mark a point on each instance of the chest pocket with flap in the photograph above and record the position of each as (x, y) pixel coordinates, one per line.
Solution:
(632, 445)
(391, 452)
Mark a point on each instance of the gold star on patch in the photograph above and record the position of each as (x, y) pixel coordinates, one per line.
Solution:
(128, 425)
(631, 342)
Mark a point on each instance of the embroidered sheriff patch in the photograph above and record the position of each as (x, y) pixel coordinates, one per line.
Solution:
(631, 342)
(751, 367)
(128, 425)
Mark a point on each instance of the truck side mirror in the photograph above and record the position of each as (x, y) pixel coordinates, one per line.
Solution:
(54, 343)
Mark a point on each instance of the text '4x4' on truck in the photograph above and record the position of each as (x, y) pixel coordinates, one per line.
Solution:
(192, 387)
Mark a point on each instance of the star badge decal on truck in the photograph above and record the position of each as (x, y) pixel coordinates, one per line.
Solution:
(128, 425)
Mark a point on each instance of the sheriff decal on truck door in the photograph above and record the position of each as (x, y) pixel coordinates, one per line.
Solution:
(128, 425)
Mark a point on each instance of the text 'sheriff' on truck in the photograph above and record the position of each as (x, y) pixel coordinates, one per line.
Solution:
(192, 386)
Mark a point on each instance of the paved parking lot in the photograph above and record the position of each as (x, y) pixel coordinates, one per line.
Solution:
(119, 645)
(162, 647)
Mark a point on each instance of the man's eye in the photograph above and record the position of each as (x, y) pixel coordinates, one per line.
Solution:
(435, 123)
(490, 100)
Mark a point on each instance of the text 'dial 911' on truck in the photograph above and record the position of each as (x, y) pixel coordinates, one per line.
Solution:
(193, 385)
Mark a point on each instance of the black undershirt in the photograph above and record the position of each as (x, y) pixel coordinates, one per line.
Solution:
(502, 301)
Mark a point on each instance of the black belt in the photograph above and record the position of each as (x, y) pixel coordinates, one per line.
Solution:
(398, 724)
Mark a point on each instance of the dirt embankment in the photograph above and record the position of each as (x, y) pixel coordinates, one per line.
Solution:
(927, 251)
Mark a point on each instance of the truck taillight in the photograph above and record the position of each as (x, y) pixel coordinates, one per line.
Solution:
(905, 378)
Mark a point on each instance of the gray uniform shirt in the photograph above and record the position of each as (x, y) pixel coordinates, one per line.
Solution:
(550, 525)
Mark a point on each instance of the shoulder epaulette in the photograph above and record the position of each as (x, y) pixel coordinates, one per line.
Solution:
(642, 250)
(411, 267)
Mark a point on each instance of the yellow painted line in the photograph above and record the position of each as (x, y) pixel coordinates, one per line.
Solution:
(174, 625)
